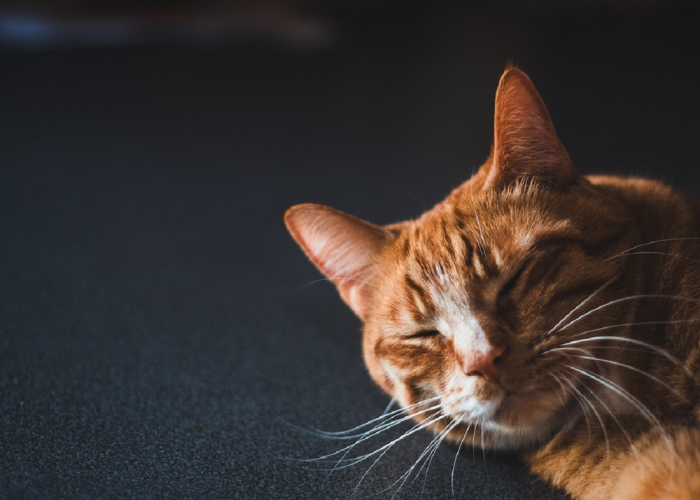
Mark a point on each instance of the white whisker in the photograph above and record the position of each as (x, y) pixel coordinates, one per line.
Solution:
(592, 406)
(384, 416)
(575, 349)
(454, 464)
(659, 253)
(625, 299)
(332, 279)
(652, 243)
(623, 365)
(349, 462)
(583, 303)
(619, 390)
(483, 449)
(654, 348)
(384, 449)
(577, 397)
(433, 445)
(638, 323)
(373, 432)
(643, 410)
(393, 402)
(429, 460)
(612, 415)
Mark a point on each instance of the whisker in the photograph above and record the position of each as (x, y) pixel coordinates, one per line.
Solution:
(429, 460)
(454, 464)
(577, 397)
(560, 396)
(576, 349)
(378, 429)
(612, 415)
(384, 449)
(651, 243)
(368, 470)
(658, 253)
(384, 416)
(373, 432)
(583, 303)
(350, 462)
(434, 444)
(654, 348)
(483, 449)
(625, 299)
(623, 365)
(331, 279)
(392, 402)
(643, 410)
(638, 323)
(618, 390)
(602, 425)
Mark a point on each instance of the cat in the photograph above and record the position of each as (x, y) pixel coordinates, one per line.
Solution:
(536, 310)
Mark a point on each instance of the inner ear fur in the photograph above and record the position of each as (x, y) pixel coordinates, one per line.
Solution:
(344, 248)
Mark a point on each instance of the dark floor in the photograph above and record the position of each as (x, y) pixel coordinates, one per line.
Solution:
(160, 334)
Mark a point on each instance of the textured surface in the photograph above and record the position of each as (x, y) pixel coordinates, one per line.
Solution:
(160, 333)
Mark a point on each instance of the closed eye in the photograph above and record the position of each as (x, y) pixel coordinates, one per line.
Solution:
(510, 284)
(422, 334)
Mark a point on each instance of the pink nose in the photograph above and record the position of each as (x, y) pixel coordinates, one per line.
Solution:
(484, 364)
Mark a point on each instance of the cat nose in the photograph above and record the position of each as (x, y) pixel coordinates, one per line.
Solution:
(484, 364)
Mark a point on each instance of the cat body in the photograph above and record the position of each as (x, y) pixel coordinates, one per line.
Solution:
(536, 310)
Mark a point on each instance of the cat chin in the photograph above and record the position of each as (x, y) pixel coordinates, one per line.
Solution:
(492, 435)
(498, 436)
(517, 422)
(517, 439)
(526, 408)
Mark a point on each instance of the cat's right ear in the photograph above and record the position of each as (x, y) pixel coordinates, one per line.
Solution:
(343, 247)
(525, 143)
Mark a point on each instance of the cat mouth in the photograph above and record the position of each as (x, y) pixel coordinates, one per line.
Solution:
(515, 420)
(513, 410)
(524, 397)
(526, 409)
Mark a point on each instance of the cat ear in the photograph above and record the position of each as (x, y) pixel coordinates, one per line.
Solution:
(525, 143)
(343, 247)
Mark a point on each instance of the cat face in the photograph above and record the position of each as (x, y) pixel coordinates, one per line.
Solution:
(467, 296)
(463, 306)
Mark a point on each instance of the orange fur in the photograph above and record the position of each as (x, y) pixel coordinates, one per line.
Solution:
(549, 313)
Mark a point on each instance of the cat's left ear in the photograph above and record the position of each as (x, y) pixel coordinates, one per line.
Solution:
(525, 143)
(343, 247)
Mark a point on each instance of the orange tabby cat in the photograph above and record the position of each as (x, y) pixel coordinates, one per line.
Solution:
(542, 311)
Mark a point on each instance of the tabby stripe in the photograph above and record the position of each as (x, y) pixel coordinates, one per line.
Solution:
(590, 248)
(449, 249)
(406, 247)
(468, 248)
(419, 291)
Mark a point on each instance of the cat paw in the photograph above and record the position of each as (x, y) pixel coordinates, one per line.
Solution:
(667, 468)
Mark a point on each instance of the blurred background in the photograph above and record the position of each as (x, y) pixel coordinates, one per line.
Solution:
(418, 73)
(158, 327)
(322, 85)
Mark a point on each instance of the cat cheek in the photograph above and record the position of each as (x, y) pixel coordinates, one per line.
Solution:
(378, 371)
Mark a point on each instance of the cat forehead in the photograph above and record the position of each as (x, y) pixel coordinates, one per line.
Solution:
(452, 247)
(440, 242)
(509, 221)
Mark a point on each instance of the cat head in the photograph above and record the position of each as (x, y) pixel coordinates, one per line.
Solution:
(463, 307)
